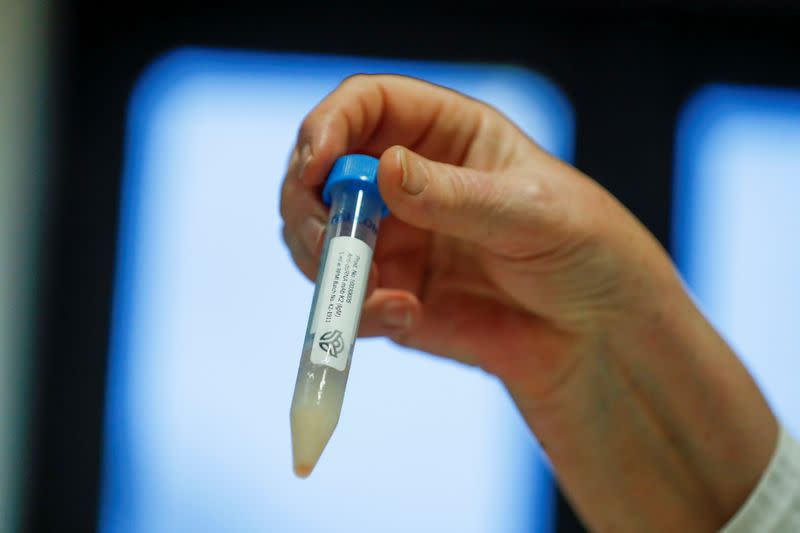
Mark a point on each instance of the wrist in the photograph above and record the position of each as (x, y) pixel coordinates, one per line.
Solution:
(708, 405)
(658, 422)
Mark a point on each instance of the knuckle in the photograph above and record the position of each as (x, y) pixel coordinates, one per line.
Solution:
(467, 188)
(288, 238)
(365, 89)
(307, 126)
(283, 206)
(357, 81)
(293, 244)
(289, 199)
(457, 188)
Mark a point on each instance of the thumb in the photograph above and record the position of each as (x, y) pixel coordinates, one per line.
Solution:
(491, 209)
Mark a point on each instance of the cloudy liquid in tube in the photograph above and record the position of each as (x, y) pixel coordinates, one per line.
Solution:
(333, 322)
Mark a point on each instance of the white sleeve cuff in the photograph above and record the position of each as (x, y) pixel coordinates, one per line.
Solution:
(774, 505)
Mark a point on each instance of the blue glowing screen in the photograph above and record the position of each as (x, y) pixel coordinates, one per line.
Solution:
(736, 228)
(209, 315)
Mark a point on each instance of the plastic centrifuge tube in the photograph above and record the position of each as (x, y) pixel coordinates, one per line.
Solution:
(351, 190)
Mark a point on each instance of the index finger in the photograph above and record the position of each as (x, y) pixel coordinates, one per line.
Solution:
(370, 113)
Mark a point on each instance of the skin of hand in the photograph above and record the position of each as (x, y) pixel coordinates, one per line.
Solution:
(499, 255)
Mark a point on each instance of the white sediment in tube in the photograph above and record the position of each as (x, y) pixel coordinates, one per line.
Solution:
(356, 209)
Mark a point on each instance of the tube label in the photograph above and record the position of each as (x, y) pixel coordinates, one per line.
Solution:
(341, 295)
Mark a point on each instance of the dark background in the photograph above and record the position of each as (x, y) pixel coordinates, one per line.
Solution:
(627, 72)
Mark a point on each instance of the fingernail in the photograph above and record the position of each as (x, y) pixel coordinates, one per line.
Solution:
(397, 315)
(305, 157)
(311, 231)
(415, 175)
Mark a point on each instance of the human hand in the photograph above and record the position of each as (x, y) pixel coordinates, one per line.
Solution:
(499, 255)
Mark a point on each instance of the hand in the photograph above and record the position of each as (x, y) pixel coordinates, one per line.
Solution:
(499, 255)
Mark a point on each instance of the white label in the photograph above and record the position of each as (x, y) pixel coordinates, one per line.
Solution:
(341, 295)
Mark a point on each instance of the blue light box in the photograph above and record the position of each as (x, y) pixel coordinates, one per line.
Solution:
(209, 315)
(736, 227)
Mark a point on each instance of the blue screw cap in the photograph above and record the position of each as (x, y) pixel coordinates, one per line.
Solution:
(356, 170)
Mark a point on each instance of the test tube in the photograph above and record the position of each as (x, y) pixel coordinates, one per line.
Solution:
(356, 209)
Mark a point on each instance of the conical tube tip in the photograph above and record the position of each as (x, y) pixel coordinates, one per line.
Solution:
(312, 428)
